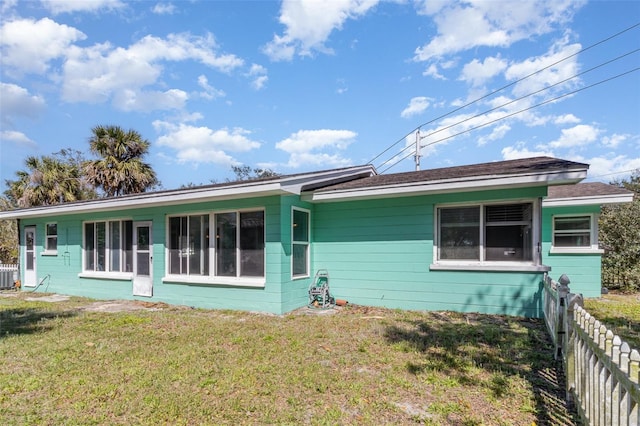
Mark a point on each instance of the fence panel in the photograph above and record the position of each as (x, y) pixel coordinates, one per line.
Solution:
(603, 371)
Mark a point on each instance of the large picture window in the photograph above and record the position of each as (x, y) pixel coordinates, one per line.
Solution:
(486, 233)
(575, 232)
(108, 246)
(300, 243)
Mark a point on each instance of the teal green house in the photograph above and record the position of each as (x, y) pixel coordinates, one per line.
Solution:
(476, 238)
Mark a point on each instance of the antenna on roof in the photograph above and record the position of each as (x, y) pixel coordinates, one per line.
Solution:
(417, 155)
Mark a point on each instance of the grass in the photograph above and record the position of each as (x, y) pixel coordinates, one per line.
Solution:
(63, 364)
(620, 313)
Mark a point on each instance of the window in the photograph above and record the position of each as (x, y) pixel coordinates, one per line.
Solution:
(486, 233)
(239, 249)
(575, 232)
(51, 241)
(300, 243)
(189, 245)
(108, 246)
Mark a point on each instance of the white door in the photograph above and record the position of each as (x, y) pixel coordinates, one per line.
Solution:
(29, 256)
(142, 259)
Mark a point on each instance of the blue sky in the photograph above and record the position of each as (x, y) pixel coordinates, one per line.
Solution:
(298, 86)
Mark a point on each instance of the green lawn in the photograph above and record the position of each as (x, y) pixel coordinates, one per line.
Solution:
(62, 364)
(620, 313)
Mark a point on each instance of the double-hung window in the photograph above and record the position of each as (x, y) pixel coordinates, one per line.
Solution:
(486, 234)
(51, 241)
(108, 246)
(575, 233)
(300, 243)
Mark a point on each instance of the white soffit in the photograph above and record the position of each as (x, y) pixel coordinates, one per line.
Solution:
(591, 200)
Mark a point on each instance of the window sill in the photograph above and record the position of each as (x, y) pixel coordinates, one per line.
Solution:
(575, 250)
(299, 277)
(122, 276)
(498, 267)
(49, 253)
(258, 282)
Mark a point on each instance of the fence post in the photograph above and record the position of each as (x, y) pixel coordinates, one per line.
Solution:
(569, 348)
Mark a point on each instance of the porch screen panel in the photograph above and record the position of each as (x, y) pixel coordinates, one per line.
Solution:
(226, 243)
(89, 247)
(128, 245)
(114, 246)
(252, 244)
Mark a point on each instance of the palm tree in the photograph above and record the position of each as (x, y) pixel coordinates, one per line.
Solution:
(48, 180)
(120, 170)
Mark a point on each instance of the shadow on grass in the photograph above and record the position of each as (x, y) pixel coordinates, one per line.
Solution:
(461, 345)
(28, 320)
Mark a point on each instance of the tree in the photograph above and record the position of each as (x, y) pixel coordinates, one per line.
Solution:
(620, 236)
(121, 169)
(48, 180)
(247, 173)
(8, 236)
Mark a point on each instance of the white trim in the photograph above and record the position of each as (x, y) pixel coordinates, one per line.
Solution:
(246, 189)
(257, 282)
(120, 276)
(465, 184)
(308, 243)
(590, 200)
(535, 264)
(593, 248)
(49, 253)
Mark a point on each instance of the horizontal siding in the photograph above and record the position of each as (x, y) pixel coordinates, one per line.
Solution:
(378, 253)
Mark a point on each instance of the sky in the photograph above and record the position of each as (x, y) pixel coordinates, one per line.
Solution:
(307, 85)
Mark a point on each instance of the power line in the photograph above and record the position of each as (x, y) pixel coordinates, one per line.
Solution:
(517, 112)
(501, 89)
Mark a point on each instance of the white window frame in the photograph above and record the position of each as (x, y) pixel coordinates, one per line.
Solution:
(168, 246)
(307, 243)
(593, 248)
(533, 265)
(107, 274)
(47, 237)
(212, 278)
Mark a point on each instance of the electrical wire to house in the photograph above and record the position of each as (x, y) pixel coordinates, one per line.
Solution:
(416, 130)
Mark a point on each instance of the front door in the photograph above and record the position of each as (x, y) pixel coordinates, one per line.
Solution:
(30, 256)
(142, 259)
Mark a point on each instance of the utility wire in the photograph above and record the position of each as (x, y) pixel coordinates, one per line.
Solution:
(502, 88)
(508, 103)
(517, 112)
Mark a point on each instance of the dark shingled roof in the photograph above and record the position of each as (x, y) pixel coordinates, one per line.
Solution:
(589, 189)
(498, 168)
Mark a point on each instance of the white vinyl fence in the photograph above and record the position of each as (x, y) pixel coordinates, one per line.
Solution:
(603, 371)
(8, 276)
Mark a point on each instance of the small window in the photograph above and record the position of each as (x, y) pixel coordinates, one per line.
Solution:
(51, 243)
(300, 243)
(574, 232)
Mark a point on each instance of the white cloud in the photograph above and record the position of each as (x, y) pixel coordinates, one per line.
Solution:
(303, 145)
(614, 140)
(566, 119)
(432, 71)
(18, 102)
(259, 75)
(309, 23)
(28, 46)
(498, 132)
(196, 145)
(608, 168)
(477, 73)
(521, 151)
(68, 6)
(209, 92)
(101, 72)
(580, 135)
(164, 9)
(15, 137)
(467, 25)
(416, 106)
